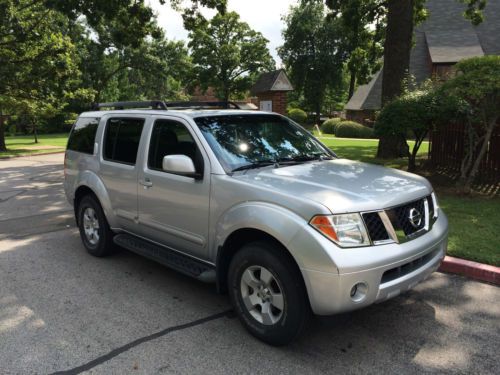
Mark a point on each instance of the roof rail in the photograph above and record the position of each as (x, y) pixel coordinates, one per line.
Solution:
(203, 105)
(153, 104)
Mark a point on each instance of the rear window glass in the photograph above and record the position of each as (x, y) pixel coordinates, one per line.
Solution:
(121, 140)
(82, 136)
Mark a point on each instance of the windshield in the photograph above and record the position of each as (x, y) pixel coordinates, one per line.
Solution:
(242, 141)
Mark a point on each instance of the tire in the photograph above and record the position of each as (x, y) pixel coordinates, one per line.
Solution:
(94, 229)
(273, 304)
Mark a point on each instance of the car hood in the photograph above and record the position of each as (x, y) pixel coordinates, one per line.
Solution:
(341, 185)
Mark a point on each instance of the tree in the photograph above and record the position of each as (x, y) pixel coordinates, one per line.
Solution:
(477, 83)
(40, 64)
(227, 54)
(312, 52)
(417, 112)
(37, 60)
(362, 26)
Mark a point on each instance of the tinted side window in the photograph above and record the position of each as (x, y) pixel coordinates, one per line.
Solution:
(172, 138)
(82, 136)
(121, 140)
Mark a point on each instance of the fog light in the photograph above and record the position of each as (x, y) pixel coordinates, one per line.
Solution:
(358, 292)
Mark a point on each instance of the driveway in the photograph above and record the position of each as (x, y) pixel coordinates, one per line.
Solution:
(64, 311)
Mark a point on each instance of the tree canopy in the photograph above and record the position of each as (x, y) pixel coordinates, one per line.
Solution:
(227, 53)
(312, 52)
(65, 54)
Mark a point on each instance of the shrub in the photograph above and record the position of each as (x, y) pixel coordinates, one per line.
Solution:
(297, 115)
(351, 129)
(329, 126)
(413, 114)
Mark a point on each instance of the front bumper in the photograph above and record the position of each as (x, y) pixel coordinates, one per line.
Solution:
(382, 272)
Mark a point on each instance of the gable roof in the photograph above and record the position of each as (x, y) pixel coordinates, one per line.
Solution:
(365, 96)
(276, 80)
(446, 37)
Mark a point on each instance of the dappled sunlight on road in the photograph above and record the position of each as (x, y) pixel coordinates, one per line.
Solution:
(14, 315)
(32, 186)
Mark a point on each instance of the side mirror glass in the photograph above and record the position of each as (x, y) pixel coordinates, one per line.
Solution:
(179, 164)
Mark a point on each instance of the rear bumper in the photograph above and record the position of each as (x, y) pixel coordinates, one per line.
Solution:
(331, 292)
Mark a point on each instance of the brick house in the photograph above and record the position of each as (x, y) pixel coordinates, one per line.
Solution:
(445, 38)
(271, 90)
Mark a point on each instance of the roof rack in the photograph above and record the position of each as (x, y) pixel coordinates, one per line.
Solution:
(203, 105)
(153, 104)
(158, 104)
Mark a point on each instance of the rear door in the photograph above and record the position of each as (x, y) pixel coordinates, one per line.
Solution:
(119, 170)
(174, 209)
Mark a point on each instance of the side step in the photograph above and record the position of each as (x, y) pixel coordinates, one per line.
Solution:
(170, 258)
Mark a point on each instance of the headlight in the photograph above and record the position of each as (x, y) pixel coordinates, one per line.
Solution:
(347, 230)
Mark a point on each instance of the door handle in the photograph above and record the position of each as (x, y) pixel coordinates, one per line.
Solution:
(147, 183)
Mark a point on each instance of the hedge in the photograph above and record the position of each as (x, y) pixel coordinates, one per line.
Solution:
(297, 115)
(329, 126)
(351, 129)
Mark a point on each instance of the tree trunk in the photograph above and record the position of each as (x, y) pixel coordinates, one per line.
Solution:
(3, 147)
(397, 48)
(412, 157)
(318, 114)
(35, 133)
(352, 84)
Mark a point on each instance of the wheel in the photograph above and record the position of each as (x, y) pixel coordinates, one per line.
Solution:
(94, 229)
(268, 293)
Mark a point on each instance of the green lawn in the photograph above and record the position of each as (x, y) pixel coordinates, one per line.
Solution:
(474, 225)
(25, 144)
(366, 149)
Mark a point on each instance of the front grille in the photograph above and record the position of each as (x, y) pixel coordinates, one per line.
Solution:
(406, 221)
(405, 269)
(375, 226)
(401, 217)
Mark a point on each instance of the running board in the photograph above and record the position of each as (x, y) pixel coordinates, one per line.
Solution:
(170, 258)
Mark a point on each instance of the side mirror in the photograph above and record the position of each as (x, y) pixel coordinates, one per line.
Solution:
(179, 164)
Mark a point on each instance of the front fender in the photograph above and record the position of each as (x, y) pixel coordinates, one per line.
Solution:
(92, 181)
(280, 223)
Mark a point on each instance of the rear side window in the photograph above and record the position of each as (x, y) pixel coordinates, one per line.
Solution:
(82, 136)
(121, 139)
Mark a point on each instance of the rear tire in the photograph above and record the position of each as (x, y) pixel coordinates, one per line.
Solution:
(268, 293)
(95, 233)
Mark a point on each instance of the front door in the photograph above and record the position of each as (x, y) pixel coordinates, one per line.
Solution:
(174, 209)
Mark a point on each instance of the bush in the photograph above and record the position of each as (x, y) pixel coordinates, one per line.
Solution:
(351, 129)
(329, 126)
(297, 115)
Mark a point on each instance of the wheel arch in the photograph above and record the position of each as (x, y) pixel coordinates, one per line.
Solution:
(235, 241)
(90, 183)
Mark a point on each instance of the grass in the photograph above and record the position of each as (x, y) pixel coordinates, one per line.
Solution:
(366, 149)
(22, 145)
(474, 223)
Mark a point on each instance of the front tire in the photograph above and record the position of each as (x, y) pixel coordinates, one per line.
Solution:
(95, 233)
(268, 293)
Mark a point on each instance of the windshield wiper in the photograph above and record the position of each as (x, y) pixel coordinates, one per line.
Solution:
(304, 158)
(254, 165)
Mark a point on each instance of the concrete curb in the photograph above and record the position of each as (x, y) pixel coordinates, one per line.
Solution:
(29, 155)
(474, 270)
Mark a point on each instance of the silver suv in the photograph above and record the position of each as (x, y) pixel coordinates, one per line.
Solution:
(254, 203)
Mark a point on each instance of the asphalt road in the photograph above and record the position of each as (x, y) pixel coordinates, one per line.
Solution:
(64, 311)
